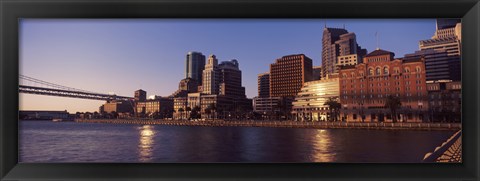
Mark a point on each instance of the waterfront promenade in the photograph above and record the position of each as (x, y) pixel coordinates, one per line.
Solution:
(448, 151)
(283, 124)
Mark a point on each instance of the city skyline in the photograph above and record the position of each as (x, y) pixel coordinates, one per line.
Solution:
(122, 56)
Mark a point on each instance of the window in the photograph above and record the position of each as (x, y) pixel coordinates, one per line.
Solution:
(370, 71)
(418, 69)
(377, 72)
(385, 70)
(396, 70)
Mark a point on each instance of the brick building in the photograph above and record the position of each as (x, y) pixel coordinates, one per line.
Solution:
(364, 88)
(288, 74)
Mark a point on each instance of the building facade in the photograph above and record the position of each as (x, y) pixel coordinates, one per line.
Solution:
(43, 115)
(118, 107)
(445, 100)
(330, 50)
(264, 84)
(316, 72)
(179, 102)
(288, 74)
(442, 52)
(365, 88)
(194, 100)
(160, 107)
(310, 102)
(268, 107)
(438, 64)
(194, 66)
(140, 95)
(338, 42)
(187, 85)
(231, 79)
(211, 76)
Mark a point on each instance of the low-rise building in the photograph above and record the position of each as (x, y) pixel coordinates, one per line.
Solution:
(445, 100)
(160, 107)
(269, 107)
(309, 104)
(118, 107)
(43, 115)
(179, 103)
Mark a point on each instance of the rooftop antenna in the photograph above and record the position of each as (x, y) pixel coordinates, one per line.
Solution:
(325, 23)
(344, 26)
(376, 37)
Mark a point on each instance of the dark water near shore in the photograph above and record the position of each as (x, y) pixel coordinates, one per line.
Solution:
(44, 141)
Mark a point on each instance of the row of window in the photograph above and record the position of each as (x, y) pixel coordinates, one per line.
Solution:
(378, 71)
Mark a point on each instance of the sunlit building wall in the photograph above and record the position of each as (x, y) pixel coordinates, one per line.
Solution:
(288, 74)
(309, 104)
(211, 76)
(159, 107)
(118, 107)
(179, 102)
(364, 88)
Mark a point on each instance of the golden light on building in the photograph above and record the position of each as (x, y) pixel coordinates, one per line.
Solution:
(309, 104)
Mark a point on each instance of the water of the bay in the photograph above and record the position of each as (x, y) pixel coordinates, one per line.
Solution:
(47, 142)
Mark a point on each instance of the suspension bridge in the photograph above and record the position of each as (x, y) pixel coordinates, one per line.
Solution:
(30, 85)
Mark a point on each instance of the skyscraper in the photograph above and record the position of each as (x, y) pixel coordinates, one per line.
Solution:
(211, 77)
(194, 66)
(330, 49)
(442, 53)
(337, 43)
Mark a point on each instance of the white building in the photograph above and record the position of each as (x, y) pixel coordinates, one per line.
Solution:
(211, 78)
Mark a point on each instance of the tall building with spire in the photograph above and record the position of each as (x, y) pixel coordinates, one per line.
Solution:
(194, 66)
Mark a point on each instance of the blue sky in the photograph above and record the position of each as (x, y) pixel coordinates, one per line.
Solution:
(121, 56)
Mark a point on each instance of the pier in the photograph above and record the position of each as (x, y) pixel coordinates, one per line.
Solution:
(283, 124)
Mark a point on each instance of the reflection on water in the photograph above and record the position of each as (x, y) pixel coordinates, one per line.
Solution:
(145, 146)
(322, 146)
(49, 142)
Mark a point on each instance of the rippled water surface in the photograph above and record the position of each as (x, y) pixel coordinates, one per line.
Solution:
(44, 141)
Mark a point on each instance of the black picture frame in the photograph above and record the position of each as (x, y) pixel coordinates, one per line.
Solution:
(12, 10)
